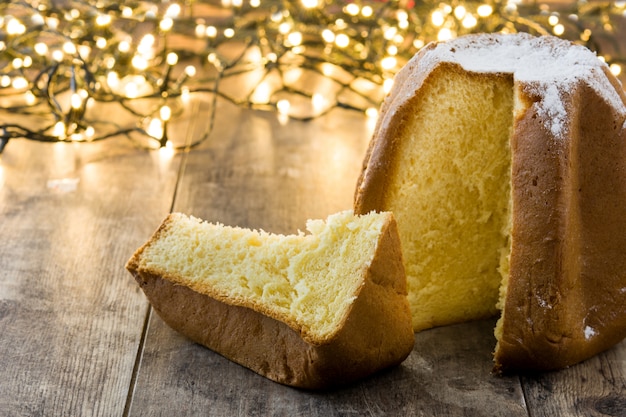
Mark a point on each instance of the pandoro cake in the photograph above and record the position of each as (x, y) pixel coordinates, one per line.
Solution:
(503, 160)
(315, 310)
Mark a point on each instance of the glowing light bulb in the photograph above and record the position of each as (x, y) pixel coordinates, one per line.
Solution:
(52, 22)
(58, 55)
(283, 106)
(155, 128)
(318, 101)
(342, 40)
(352, 9)
(616, 69)
(190, 70)
(124, 46)
(165, 112)
(388, 63)
(101, 43)
(284, 28)
(558, 29)
(371, 113)
(37, 19)
(390, 32)
(76, 101)
(294, 38)
(172, 58)
(387, 85)
(459, 12)
(211, 31)
(19, 83)
(109, 62)
(131, 90)
(484, 10)
(146, 44)
(445, 34)
(200, 30)
(309, 4)
(261, 94)
(139, 62)
(152, 12)
(132, 86)
(90, 132)
(113, 80)
(173, 10)
(166, 152)
(77, 137)
(185, 95)
(41, 48)
(103, 20)
(418, 43)
(510, 7)
(437, 18)
(15, 27)
(30, 98)
(69, 48)
(469, 21)
(59, 130)
(166, 24)
(328, 36)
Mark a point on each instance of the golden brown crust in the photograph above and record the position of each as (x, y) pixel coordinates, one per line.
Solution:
(566, 298)
(375, 335)
(377, 164)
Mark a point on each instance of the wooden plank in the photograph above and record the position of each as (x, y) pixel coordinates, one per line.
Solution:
(447, 374)
(596, 387)
(71, 318)
(261, 174)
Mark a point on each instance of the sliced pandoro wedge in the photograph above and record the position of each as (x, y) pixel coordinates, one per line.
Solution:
(312, 310)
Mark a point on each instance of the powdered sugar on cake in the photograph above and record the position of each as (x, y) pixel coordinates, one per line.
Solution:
(589, 332)
(552, 109)
(548, 67)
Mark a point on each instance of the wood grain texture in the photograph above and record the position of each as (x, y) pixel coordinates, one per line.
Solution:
(70, 317)
(594, 388)
(441, 377)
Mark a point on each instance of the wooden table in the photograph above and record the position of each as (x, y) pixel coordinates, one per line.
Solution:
(78, 337)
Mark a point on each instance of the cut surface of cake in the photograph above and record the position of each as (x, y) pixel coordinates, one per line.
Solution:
(503, 159)
(313, 310)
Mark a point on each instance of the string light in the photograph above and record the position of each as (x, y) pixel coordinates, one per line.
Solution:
(60, 59)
